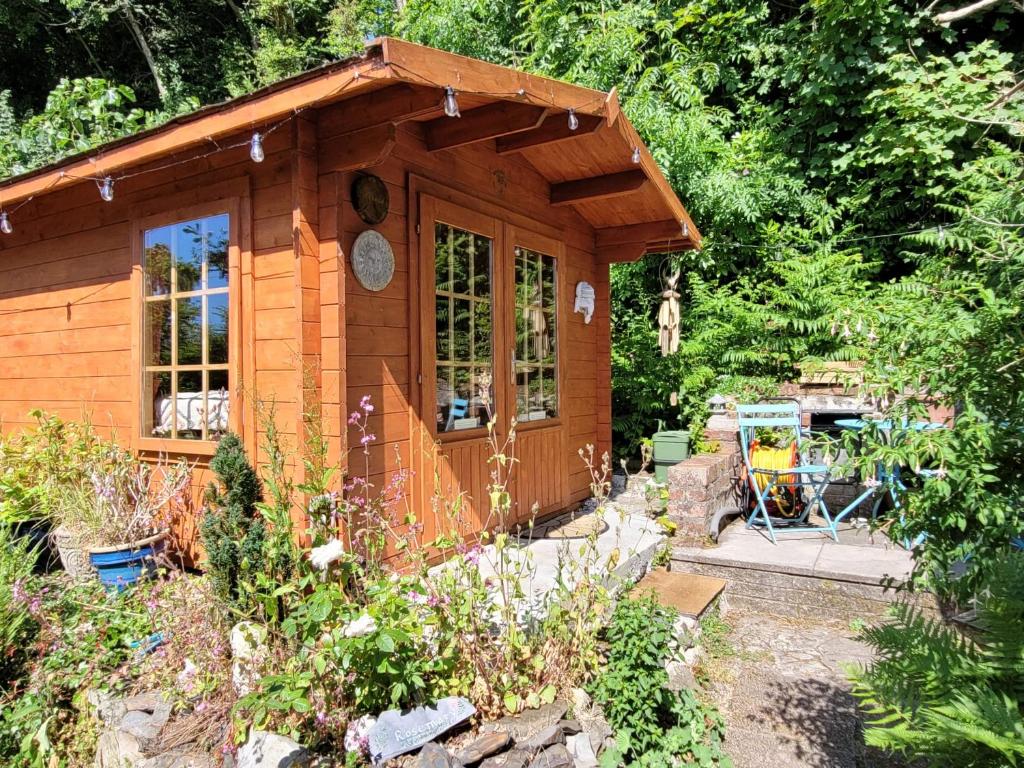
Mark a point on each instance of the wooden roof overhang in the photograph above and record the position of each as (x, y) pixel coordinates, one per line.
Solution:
(631, 205)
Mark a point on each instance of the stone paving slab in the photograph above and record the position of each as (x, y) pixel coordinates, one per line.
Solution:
(786, 700)
(866, 559)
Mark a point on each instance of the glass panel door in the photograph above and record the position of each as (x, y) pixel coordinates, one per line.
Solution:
(463, 327)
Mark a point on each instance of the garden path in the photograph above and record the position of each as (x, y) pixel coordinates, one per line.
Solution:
(784, 696)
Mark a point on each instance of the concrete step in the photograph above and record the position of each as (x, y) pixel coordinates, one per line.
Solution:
(805, 578)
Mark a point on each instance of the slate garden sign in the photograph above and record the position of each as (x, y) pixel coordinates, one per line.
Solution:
(399, 731)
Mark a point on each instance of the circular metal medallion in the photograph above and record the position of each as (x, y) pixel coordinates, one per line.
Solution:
(373, 261)
(370, 198)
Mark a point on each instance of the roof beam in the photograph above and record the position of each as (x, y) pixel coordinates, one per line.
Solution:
(555, 128)
(630, 242)
(391, 104)
(489, 122)
(597, 187)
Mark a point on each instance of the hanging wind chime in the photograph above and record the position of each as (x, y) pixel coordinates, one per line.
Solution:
(668, 315)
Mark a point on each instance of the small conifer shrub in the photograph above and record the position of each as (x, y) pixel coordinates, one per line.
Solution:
(232, 529)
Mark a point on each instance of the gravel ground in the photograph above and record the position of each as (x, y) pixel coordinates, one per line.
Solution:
(785, 698)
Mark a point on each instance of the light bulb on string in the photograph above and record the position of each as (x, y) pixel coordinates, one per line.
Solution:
(636, 155)
(451, 104)
(686, 230)
(5, 223)
(107, 189)
(942, 235)
(256, 148)
(574, 121)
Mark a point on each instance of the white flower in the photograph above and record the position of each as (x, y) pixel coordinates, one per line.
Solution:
(357, 735)
(360, 627)
(326, 554)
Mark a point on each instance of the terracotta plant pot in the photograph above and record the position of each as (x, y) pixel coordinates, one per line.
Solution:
(73, 555)
(121, 565)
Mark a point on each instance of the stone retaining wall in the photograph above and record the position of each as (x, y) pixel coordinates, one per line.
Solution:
(706, 483)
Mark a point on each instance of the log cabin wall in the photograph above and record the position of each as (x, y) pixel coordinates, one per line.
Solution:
(383, 329)
(68, 313)
(303, 331)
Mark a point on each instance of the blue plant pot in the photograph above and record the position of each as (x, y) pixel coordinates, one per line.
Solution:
(121, 567)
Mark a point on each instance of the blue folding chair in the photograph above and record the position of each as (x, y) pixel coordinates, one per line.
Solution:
(457, 411)
(796, 488)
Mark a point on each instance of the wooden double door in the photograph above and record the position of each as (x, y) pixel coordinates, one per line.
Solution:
(491, 307)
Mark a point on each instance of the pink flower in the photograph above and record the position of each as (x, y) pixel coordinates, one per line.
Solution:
(367, 438)
(365, 404)
(473, 556)
(353, 418)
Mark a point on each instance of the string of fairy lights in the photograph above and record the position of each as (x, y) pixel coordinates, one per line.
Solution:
(106, 182)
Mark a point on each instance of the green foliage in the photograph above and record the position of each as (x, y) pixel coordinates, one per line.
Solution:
(17, 561)
(945, 695)
(79, 114)
(653, 725)
(338, 658)
(82, 642)
(233, 533)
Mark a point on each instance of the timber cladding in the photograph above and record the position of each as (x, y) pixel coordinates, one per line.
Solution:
(301, 330)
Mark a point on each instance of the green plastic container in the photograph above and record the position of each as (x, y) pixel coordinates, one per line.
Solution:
(670, 448)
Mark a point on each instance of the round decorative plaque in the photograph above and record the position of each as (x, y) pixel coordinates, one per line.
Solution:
(370, 198)
(373, 261)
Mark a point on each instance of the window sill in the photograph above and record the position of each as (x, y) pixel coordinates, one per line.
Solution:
(181, 447)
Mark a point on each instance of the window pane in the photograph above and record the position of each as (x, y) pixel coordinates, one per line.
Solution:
(443, 319)
(190, 331)
(463, 328)
(482, 331)
(217, 327)
(157, 333)
(157, 405)
(217, 403)
(156, 261)
(216, 230)
(462, 252)
(190, 406)
(444, 396)
(442, 260)
(481, 282)
(461, 323)
(536, 335)
(188, 255)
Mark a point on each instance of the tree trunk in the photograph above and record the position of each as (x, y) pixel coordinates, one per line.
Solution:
(140, 40)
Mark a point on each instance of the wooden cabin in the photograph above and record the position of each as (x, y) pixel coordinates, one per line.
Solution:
(408, 224)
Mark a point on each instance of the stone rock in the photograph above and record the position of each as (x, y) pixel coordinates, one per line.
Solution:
(570, 727)
(271, 750)
(591, 719)
(582, 751)
(686, 630)
(248, 652)
(556, 756)
(514, 758)
(524, 725)
(433, 755)
(106, 708)
(178, 759)
(598, 731)
(690, 656)
(545, 737)
(146, 716)
(580, 700)
(117, 749)
(680, 676)
(484, 746)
